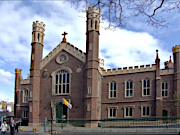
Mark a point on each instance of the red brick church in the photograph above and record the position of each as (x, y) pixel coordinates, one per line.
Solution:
(94, 92)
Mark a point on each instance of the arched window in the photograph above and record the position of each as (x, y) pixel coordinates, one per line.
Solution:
(164, 89)
(91, 23)
(38, 37)
(146, 86)
(112, 90)
(25, 95)
(96, 24)
(129, 88)
(62, 82)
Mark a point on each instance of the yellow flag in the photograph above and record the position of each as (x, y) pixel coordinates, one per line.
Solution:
(3, 105)
(65, 102)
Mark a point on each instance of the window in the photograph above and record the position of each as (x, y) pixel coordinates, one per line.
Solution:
(164, 89)
(89, 107)
(62, 82)
(25, 96)
(165, 113)
(112, 112)
(25, 114)
(112, 90)
(146, 87)
(91, 23)
(30, 93)
(128, 111)
(96, 24)
(30, 109)
(129, 89)
(145, 111)
(38, 37)
(89, 90)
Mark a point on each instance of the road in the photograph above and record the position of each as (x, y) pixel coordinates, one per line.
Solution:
(65, 133)
(118, 134)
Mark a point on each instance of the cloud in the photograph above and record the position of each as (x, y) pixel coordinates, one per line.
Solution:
(130, 48)
(6, 77)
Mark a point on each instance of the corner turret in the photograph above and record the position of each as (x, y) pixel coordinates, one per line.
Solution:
(36, 58)
(17, 87)
(176, 59)
(92, 65)
(38, 30)
(93, 16)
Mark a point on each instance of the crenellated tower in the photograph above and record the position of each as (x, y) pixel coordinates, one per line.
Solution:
(92, 63)
(176, 59)
(36, 57)
(16, 91)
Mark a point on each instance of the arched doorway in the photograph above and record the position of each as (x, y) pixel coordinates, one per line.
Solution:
(165, 113)
(61, 110)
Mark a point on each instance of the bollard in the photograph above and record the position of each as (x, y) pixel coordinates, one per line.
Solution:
(34, 129)
(21, 128)
(45, 121)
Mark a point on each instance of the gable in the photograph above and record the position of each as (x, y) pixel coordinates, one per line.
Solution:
(74, 51)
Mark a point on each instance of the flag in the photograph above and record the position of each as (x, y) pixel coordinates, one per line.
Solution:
(3, 105)
(65, 102)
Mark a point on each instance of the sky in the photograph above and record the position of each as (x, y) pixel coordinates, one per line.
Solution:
(133, 45)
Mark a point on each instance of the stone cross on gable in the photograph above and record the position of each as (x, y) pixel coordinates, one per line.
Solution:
(64, 38)
(64, 34)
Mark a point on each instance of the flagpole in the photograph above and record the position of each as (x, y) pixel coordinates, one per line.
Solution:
(62, 116)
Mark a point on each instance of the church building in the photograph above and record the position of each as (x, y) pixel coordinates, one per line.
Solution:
(94, 92)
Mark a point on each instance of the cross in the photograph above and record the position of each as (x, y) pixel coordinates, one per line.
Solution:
(64, 34)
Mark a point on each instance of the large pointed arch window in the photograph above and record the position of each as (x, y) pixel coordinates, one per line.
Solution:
(62, 82)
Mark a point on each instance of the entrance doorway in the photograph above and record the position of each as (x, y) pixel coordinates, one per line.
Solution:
(165, 113)
(61, 110)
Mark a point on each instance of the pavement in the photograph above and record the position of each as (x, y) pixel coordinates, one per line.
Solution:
(58, 130)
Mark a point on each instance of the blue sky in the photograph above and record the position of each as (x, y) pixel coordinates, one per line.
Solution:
(132, 46)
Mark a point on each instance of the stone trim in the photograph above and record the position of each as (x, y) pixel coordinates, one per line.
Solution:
(132, 101)
(158, 78)
(25, 81)
(166, 71)
(112, 107)
(22, 105)
(59, 56)
(74, 51)
(127, 70)
(176, 49)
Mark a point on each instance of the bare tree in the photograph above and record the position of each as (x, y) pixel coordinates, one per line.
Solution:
(117, 12)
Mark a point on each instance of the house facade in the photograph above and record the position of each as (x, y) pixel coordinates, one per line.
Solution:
(94, 92)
